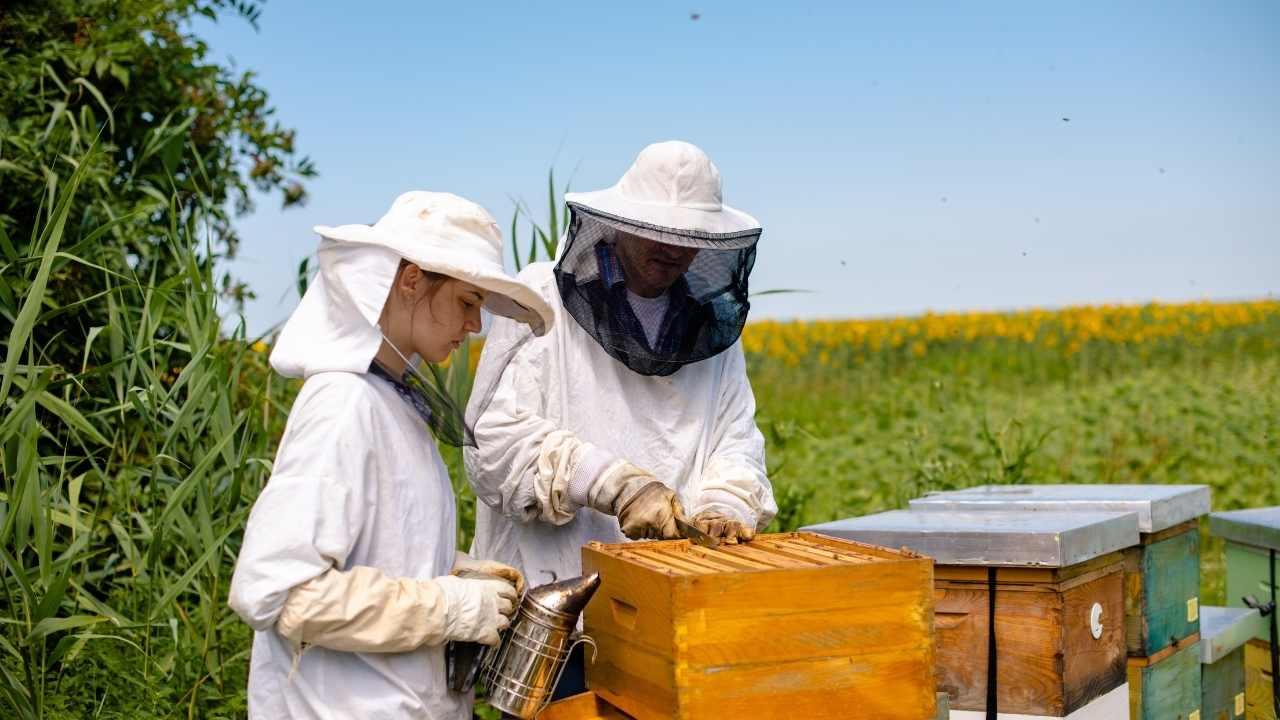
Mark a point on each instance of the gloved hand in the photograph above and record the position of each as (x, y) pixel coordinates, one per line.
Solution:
(723, 527)
(645, 508)
(651, 512)
(477, 608)
(464, 565)
(364, 610)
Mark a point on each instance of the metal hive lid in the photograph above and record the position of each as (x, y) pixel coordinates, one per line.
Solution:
(1259, 527)
(1004, 538)
(1222, 630)
(1158, 507)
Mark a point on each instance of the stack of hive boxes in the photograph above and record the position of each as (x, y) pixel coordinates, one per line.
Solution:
(1046, 587)
(1253, 560)
(1161, 577)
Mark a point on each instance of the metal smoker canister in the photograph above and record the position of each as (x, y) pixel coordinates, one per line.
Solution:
(523, 671)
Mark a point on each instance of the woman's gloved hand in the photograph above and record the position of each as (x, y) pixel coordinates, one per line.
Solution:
(477, 608)
(364, 610)
(464, 565)
(723, 526)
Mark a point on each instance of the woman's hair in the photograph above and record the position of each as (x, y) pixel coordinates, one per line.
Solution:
(434, 279)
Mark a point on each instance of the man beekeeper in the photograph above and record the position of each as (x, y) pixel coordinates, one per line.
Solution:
(635, 408)
(346, 569)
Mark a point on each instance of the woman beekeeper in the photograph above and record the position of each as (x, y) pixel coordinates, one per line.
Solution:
(345, 571)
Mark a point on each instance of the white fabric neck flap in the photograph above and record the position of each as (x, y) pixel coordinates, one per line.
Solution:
(335, 327)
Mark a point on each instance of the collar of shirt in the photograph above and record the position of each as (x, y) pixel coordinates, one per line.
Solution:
(676, 320)
(406, 393)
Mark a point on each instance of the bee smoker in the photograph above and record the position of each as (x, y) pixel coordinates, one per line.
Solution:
(522, 671)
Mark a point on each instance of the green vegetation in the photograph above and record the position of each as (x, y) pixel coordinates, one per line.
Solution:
(128, 476)
(853, 438)
(171, 128)
(137, 427)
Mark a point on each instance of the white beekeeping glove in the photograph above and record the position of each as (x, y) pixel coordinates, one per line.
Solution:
(364, 610)
(464, 565)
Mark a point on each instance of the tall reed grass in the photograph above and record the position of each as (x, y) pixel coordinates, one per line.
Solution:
(126, 481)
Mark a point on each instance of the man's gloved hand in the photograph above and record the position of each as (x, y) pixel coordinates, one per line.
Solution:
(651, 512)
(477, 609)
(464, 565)
(645, 508)
(723, 527)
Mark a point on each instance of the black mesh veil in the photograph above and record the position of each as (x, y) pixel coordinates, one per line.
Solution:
(704, 309)
(426, 390)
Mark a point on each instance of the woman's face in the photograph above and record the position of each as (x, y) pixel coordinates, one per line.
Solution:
(431, 316)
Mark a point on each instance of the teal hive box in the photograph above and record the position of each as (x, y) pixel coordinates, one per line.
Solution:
(1167, 685)
(1223, 634)
(1251, 537)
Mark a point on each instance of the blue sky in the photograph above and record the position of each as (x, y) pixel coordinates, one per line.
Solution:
(902, 157)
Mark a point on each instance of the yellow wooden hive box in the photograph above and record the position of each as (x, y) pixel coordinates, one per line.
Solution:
(787, 626)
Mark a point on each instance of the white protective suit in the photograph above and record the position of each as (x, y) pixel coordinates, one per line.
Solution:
(694, 430)
(358, 485)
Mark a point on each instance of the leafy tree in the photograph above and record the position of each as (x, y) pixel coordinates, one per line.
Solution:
(130, 76)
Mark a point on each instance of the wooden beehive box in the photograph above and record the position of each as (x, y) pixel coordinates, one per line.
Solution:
(1252, 556)
(1059, 617)
(1162, 571)
(786, 626)
(1223, 634)
(584, 706)
(1253, 543)
(1257, 681)
(1167, 684)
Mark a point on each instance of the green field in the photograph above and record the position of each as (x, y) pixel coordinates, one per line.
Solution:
(872, 433)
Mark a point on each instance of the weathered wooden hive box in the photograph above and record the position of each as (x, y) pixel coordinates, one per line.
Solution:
(787, 626)
(1253, 559)
(1223, 634)
(1058, 611)
(1162, 571)
(1167, 684)
(1258, 689)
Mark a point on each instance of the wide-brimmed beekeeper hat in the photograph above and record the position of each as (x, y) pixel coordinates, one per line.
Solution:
(335, 327)
(671, 194)
(441, 232)
(672, 185)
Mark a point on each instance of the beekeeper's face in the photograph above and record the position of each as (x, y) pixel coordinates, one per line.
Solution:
(435, 312)
(652, 267)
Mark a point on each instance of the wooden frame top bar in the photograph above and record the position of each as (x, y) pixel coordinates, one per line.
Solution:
(782, 551)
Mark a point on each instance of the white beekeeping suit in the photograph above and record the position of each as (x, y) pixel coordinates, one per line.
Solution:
(624, 390)
(344, 572)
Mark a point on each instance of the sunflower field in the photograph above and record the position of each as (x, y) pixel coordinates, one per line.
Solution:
(862, 415)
